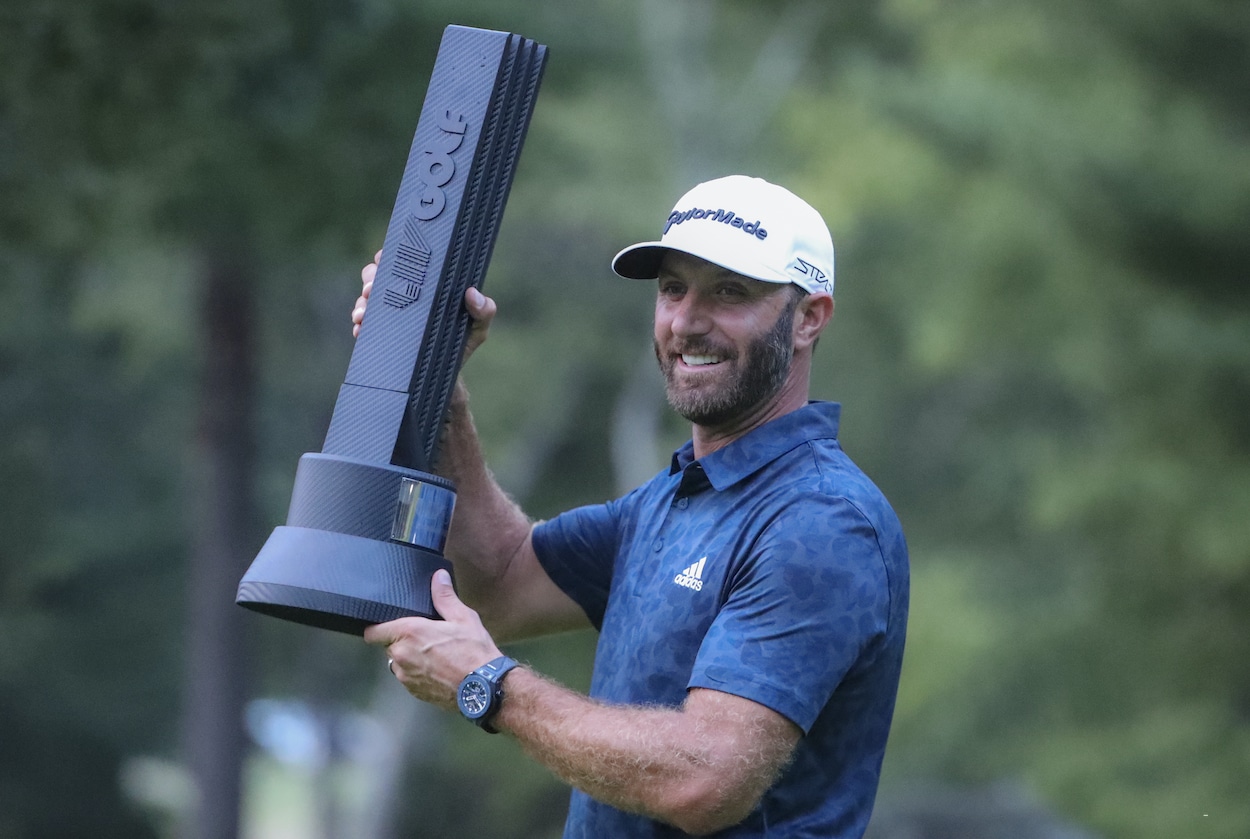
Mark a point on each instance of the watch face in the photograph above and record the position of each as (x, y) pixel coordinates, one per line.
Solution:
(474, 697)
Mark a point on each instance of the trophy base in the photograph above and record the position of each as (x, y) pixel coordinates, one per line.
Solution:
(337, 581)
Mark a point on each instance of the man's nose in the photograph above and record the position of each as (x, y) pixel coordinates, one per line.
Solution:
(691, 316)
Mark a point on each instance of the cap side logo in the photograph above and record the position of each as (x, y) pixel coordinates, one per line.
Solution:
(814, 275)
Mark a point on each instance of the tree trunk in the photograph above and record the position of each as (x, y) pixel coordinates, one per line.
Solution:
(223, 546)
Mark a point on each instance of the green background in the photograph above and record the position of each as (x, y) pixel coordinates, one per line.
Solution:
(1042, 346)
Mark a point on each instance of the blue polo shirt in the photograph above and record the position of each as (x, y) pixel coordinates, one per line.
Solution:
(772, 569)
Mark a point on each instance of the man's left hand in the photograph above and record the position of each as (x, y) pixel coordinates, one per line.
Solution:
(431, 657)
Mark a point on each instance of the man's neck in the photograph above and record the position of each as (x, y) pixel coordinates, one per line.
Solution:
(709, 438)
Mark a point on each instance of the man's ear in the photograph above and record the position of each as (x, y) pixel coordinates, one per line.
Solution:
(811, 317)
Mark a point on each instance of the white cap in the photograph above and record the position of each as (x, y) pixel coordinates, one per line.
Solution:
(748, 225)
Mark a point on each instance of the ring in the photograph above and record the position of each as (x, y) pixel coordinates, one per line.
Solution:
(390, 665)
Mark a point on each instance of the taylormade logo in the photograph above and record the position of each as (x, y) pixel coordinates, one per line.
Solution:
(723, 216)
(692, 577)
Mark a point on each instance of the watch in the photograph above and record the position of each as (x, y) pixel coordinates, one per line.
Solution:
(481, 692)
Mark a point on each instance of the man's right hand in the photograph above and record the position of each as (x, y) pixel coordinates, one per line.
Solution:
(480, 307)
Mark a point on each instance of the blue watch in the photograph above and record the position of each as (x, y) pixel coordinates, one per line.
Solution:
(481, 692)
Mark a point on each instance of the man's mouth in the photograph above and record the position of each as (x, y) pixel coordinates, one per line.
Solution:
(692, 360)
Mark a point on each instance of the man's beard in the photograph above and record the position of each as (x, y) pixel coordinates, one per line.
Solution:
(766, 365)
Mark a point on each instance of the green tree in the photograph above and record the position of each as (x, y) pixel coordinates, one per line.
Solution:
(1045, 205)
(1041, 344)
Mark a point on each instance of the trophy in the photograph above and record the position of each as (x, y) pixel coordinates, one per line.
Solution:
(367, 522)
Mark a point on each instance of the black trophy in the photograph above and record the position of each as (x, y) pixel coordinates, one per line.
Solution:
(367, 522)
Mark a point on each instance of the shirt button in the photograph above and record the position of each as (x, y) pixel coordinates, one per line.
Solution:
(659, 543)
(683, 503)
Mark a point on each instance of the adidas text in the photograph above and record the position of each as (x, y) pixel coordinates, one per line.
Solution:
(688, 582)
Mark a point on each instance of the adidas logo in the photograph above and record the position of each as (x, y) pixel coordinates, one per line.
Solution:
(692, 577)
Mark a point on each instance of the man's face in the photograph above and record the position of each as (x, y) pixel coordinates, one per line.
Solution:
(724, 342)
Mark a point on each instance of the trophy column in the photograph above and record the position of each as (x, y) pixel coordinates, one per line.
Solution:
(368, 522)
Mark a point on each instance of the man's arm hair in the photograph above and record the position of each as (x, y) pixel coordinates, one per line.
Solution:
(701, 767)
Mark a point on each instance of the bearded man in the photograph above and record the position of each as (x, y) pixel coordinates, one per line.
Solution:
(751, 599)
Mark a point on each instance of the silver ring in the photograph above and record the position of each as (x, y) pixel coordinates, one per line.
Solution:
(390, 665)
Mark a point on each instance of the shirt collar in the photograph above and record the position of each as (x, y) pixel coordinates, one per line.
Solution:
(748, 454)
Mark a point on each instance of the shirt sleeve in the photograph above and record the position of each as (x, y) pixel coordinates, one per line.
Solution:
(809, 603)
(578, 549)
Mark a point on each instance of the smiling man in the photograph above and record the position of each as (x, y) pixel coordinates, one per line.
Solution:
(751, 599)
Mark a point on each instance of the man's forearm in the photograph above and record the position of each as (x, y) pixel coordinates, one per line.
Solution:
(701, 769)
(488, 528)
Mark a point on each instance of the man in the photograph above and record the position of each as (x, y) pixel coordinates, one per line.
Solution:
(751, 599)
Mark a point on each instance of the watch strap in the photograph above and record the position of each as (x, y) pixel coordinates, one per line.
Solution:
(496, 668)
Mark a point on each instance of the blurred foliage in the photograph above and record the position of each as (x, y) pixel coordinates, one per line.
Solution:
(1042, 345)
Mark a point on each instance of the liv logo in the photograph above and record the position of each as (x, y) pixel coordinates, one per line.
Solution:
(435, 169)
(692, 577)
(412, 261)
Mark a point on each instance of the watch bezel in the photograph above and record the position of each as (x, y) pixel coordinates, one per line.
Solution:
(483, 694)
(488, 679)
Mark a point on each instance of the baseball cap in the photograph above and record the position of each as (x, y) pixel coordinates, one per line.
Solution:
(748, 225)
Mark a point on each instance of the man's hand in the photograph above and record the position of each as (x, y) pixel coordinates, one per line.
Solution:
(481, 308)
(367, 275)
(432, 657)
(702, 767)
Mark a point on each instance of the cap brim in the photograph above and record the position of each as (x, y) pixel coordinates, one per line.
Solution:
(640, 262)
